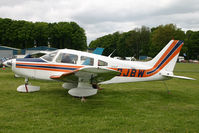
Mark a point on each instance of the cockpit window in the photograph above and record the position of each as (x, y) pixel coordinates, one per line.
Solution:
(87, 61)
(102, 63)
(50, 56)
(37, 55)
(67, 58)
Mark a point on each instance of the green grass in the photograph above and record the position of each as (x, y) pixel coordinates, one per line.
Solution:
(131, 107)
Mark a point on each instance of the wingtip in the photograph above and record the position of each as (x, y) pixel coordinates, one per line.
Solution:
(55, 77)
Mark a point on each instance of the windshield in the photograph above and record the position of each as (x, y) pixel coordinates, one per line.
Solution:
(49, 57)
(37, 55)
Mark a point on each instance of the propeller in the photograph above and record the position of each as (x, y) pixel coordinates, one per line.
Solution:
(8, 63)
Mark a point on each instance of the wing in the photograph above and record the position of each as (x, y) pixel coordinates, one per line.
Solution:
(94, 74)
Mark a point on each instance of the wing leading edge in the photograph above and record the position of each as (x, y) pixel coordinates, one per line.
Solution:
(94, 74)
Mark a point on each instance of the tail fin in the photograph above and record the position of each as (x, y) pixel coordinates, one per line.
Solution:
(167, 57)
(98, 51)
(166, 60)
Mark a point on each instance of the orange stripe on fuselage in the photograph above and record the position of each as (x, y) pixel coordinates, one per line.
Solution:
(47, 69)
(54, 65)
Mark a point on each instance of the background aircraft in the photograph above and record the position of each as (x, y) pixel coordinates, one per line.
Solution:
(81, 72)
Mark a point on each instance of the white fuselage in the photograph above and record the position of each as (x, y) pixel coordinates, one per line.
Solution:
(82, 71)
(131, 71)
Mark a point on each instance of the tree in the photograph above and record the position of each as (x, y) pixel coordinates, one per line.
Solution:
(125, 44)
(78, 38)
(108, 42)
(192, 43)
(24, 34)
(134, 42)
(162, 35)
(40, 33)
(6, 31)
(67, 35)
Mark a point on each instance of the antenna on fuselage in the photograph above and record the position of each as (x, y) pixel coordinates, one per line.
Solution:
(111, 53)
(165, 84)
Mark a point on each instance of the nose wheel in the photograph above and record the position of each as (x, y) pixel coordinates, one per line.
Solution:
(27, 88)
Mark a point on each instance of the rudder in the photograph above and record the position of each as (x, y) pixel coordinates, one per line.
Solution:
(166, 58)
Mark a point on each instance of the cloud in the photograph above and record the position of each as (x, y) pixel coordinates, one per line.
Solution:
(101, 17)
(118, 11)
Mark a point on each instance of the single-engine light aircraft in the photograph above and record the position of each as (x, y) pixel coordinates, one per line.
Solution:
(82, 72)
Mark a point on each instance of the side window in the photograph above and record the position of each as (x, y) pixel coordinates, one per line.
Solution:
(102, 63)
(87, 61)
(67, 58)
(50, 56)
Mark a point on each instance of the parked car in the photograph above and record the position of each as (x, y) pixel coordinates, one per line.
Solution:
(195, 61)
(181, 59)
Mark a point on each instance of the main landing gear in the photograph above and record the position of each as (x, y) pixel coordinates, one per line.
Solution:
(95, 87)
(27, 88)
(83, 89)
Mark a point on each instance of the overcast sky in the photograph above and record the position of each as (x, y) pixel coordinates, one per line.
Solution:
(101, 17)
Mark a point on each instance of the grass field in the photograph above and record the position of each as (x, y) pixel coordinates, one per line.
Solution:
(123, 108)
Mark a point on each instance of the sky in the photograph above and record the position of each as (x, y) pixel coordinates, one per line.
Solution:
(102, 17)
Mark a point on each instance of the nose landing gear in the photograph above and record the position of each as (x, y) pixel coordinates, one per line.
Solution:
(27, 88)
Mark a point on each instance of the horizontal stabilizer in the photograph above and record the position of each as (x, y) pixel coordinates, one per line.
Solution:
(181, 77)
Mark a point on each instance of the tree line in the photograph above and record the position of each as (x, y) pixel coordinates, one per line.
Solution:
(147, 41)
(139, 41)
(23, 34)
